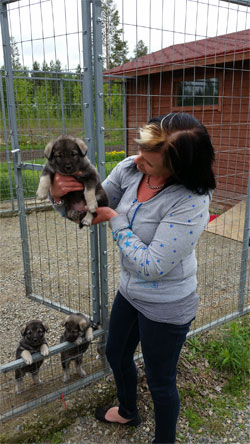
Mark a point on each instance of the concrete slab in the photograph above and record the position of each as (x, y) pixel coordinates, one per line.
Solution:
(231, 223)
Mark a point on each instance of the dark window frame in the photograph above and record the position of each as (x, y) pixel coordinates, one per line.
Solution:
(215, 106)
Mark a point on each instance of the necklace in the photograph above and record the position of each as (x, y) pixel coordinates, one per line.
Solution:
(158, 187)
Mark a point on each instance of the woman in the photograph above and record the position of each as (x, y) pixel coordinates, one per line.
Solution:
(159, 206)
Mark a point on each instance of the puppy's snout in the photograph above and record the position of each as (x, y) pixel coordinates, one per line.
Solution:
(68, 167)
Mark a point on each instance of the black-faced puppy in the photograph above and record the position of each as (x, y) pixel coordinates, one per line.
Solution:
(76, 327)
(67, 155)
(33, 341)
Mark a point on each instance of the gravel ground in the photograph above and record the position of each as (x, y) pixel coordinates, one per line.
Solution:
(219, 265)
(77, 425)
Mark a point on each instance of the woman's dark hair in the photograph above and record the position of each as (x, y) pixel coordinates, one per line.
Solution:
(186, 146)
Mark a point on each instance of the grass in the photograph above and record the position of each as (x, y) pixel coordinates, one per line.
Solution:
(30, 131)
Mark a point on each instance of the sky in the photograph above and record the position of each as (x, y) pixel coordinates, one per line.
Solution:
(51, 29)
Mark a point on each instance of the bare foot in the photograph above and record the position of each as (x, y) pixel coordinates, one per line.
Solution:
(113, 416)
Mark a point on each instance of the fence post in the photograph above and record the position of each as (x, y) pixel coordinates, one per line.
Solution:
(89, 133)
(245, 248)
(62, 106)
(124, 110)
(100, 148)
(14, 143)
(6, 144)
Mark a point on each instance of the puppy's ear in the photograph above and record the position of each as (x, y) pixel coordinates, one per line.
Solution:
(83, 324)
(23, 330)
(48, 149)
(45, 326)
(82, 146)
(64, 322)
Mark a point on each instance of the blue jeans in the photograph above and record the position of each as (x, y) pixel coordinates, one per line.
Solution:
(161, 344)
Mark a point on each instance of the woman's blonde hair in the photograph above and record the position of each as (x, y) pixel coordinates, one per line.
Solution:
(186, 148)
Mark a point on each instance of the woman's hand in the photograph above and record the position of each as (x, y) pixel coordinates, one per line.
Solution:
(104, 214)
(63, 185)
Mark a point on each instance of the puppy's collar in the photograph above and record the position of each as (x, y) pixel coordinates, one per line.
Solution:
(59, 204)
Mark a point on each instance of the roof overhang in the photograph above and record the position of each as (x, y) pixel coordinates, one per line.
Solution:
(206, 61)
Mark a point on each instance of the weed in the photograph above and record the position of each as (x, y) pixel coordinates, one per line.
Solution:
(195, 344)
(194, 419)
(230, 352)
(56, 438)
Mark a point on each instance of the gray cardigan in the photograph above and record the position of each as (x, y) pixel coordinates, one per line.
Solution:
(156, 238)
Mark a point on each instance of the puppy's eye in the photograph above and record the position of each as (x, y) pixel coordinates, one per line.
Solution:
(74, 154)
(58, 155)
(75, 332)
(28, 333)
(40, 332)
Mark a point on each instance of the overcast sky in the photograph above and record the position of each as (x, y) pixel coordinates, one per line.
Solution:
(51, 29)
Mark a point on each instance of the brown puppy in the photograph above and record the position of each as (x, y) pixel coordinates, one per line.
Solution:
(33, 341)
(76, 327)
(67, 155)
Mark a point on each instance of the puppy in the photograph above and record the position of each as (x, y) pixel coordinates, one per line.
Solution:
(76, 327)
(67, 155)
(33, 341)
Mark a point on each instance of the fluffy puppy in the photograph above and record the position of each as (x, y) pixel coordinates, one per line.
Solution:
(67, 155)
(76, 327)
(33, 341)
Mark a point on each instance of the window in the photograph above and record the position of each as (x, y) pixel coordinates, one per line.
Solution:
(200, 92)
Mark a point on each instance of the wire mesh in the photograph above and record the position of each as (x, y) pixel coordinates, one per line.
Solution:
(182, 55)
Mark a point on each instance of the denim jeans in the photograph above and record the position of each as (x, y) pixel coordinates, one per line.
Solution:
(161, 344)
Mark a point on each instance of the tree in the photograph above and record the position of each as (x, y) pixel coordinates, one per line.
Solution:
(15, 55)
(36, 68)
(115, 48)
(140, 50)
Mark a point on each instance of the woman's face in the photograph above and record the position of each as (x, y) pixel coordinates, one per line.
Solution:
(151, 163)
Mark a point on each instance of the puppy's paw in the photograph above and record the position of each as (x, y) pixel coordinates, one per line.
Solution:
(36, 379)
(19, 386)
(74, 215)
(81, 372)
(41, 195)
(66, 376)
(92, 208)
(43, 189)
(27, 357)
(91, 201)
(78, 341)
(44, 350)
(89, 334)
(87, 220)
